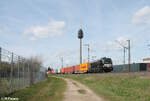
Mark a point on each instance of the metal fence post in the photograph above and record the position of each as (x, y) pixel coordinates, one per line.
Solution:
(18, 72)
(23, 73)
(31, 74)
(28, 74)
(39, 74)
(0, 60)
(11, 74)
(34, 76)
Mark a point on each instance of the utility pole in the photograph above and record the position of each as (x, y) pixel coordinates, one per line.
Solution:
(88, 51)
(129, 55)
(62, 62)
(124, 50)
(93, 58)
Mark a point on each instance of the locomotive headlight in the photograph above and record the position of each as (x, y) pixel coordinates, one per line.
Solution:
(107, 65)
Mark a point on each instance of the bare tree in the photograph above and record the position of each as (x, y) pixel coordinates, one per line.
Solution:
(35, 64)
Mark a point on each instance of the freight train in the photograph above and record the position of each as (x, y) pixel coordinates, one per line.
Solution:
(102, 65)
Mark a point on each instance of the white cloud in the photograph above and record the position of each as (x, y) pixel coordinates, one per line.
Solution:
(66, 52)
(70, 57)
(32, 38)
(122, 40)
(4, 29)
(54, 28)
(142, 16)
(115, 44)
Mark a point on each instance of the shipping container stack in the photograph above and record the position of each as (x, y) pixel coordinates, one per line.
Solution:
(135, 67)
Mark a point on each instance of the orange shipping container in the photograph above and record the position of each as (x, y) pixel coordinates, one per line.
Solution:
(77, 68)
(84, 67)
(62, 70)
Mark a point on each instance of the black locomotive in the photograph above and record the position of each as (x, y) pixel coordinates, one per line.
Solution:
(102, 65)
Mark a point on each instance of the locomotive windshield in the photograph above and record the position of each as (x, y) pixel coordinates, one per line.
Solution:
(107, 61)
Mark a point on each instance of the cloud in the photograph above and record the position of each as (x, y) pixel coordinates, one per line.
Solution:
(66, 52)
(53, 29)
(142, 16)
(115, 44)
(32, 38)
(70, 57)
(4, 29)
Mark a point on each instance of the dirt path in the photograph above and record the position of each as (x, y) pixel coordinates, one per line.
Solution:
(77, 92)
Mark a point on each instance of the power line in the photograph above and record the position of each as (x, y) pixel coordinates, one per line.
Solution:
(129, 54)
(88, 51)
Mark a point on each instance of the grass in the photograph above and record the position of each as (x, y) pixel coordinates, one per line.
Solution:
(117, 88)
(5, 85)
(49, 90)
(82, 91)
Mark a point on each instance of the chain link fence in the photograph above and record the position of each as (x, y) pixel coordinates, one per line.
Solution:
(16, 72)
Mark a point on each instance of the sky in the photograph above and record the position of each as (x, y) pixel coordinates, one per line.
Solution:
(48, 28)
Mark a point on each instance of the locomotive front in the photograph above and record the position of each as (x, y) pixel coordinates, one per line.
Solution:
(107, 64)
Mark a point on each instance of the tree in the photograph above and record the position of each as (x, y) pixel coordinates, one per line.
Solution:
(49, 69)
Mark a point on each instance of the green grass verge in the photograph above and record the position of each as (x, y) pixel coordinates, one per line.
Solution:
(117, 88)
(49, 90)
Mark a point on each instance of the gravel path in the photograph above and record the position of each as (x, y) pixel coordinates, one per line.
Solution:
(78, 92)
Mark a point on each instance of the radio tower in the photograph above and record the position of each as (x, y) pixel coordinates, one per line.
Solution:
(80, 36)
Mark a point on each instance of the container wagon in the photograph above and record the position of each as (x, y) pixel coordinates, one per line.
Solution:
(99, 66)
